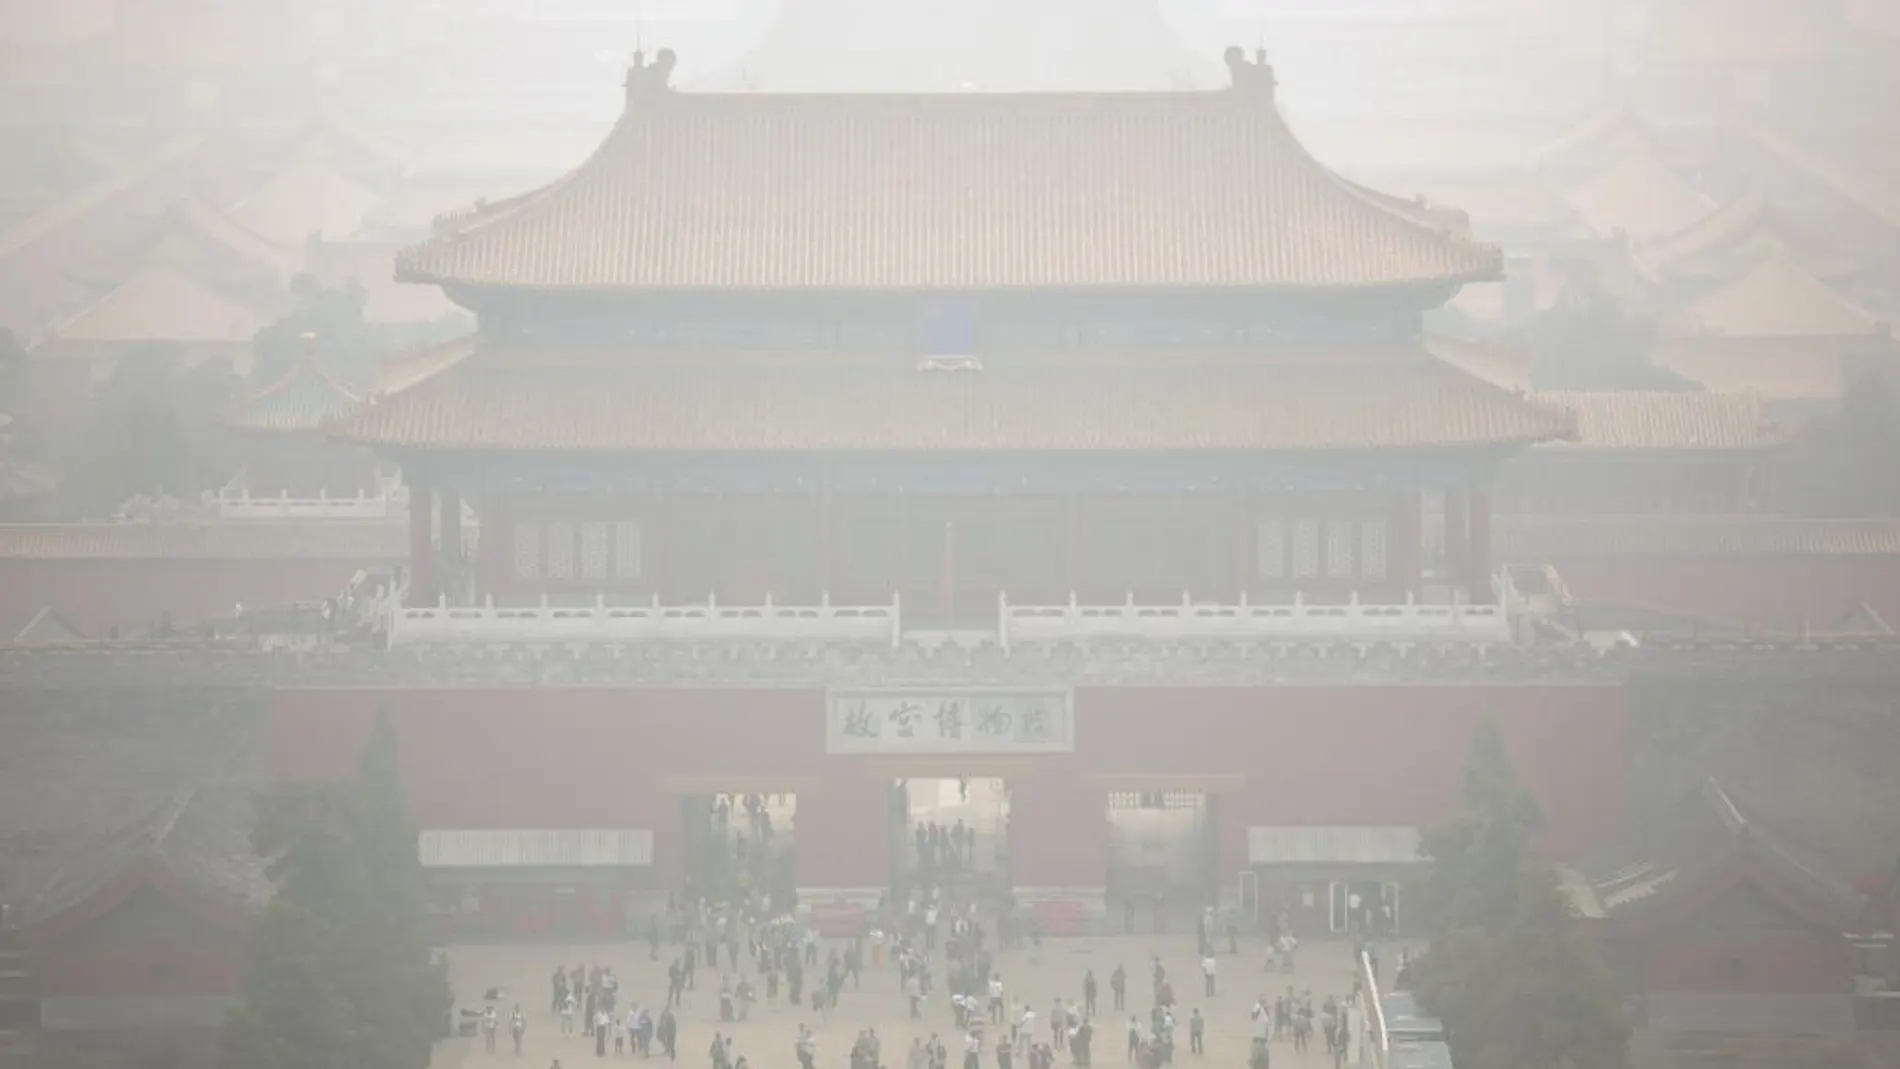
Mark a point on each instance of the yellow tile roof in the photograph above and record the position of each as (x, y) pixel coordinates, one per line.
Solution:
(702, 402)
(1741, 234)
(976, 190)
(1505, 366)
(396, 372)
(1776, 299)
(195, 238)
(1658, 420)
(1640, 197)
(307, 197)
(1791, 370)
(160, 304)
(1878, 198)
(1603, 140)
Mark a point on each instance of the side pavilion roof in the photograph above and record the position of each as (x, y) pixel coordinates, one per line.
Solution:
(967, 191)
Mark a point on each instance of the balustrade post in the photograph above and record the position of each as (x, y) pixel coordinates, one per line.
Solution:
(1457, 539)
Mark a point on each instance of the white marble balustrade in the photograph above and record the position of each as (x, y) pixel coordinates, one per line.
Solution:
(1242, 621)
(363, 506)
(602, 622)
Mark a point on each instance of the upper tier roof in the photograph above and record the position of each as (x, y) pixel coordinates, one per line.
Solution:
(956, 191)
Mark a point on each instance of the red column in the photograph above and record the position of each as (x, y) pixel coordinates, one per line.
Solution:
(824, 543)
(1480, 548)
(842, 832)
(494, 549)
(422, 569)
(1407, 541)
(452, 575)
(1457, 545)
(1246, 543)
(1058, 829)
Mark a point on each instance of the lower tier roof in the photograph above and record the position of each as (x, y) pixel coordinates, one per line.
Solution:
(623, 403)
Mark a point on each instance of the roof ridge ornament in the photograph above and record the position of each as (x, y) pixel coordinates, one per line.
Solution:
(647, 79)
(1255, 76)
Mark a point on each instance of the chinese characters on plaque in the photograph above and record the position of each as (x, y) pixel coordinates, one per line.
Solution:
(949, 722)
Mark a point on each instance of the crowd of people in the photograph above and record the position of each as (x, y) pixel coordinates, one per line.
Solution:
(933, 941)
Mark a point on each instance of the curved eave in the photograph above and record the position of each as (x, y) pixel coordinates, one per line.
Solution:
(1490, 273)
(302, 402)
(517, 403)
(433, 261)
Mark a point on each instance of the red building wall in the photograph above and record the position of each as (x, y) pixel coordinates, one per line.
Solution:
(1807, 961)
(97, 595)
(1321, 755)
(144, 946)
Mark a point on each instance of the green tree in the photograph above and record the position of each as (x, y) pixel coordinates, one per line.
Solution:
(333, 315)
(1510, 972)
(154, 429)
(405, 1010)
(1476, 852)
(1842, 465)
(342, 975)
(1592, 339)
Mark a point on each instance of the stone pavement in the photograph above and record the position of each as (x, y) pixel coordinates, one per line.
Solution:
(1038, 973)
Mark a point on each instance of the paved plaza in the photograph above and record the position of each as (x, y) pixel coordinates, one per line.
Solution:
(1036, 973)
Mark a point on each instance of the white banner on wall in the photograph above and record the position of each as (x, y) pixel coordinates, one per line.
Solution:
(950, 721)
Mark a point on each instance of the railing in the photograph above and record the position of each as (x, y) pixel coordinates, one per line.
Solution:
(240, 505)
(1244, 621)
(655, 622)
(1369, 1046)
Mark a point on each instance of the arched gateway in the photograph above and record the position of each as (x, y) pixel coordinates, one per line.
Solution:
(908, 454)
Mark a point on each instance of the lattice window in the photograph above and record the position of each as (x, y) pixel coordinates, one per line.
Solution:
(626, 550)
(527, 549)
(593, 551)
(1339, 549)
(1372, 549)
(560, 551)
(1306, 549)
(1125, 800)
(1272, 549)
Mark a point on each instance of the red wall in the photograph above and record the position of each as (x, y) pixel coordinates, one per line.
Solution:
(1323, 755)
(145, 945)
(1369, 754)
(1775, 962)
(1768, 592)
(97, 595)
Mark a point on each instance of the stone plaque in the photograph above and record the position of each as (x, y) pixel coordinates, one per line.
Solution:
(949, 721)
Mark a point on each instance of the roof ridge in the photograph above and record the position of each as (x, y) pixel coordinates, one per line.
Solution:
(1750, 207)
(173, 812)
(1725, 807)
(163, 273)
(1596, 127)
(1356, 239)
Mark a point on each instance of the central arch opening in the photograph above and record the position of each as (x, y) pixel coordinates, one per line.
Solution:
(952, 834)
